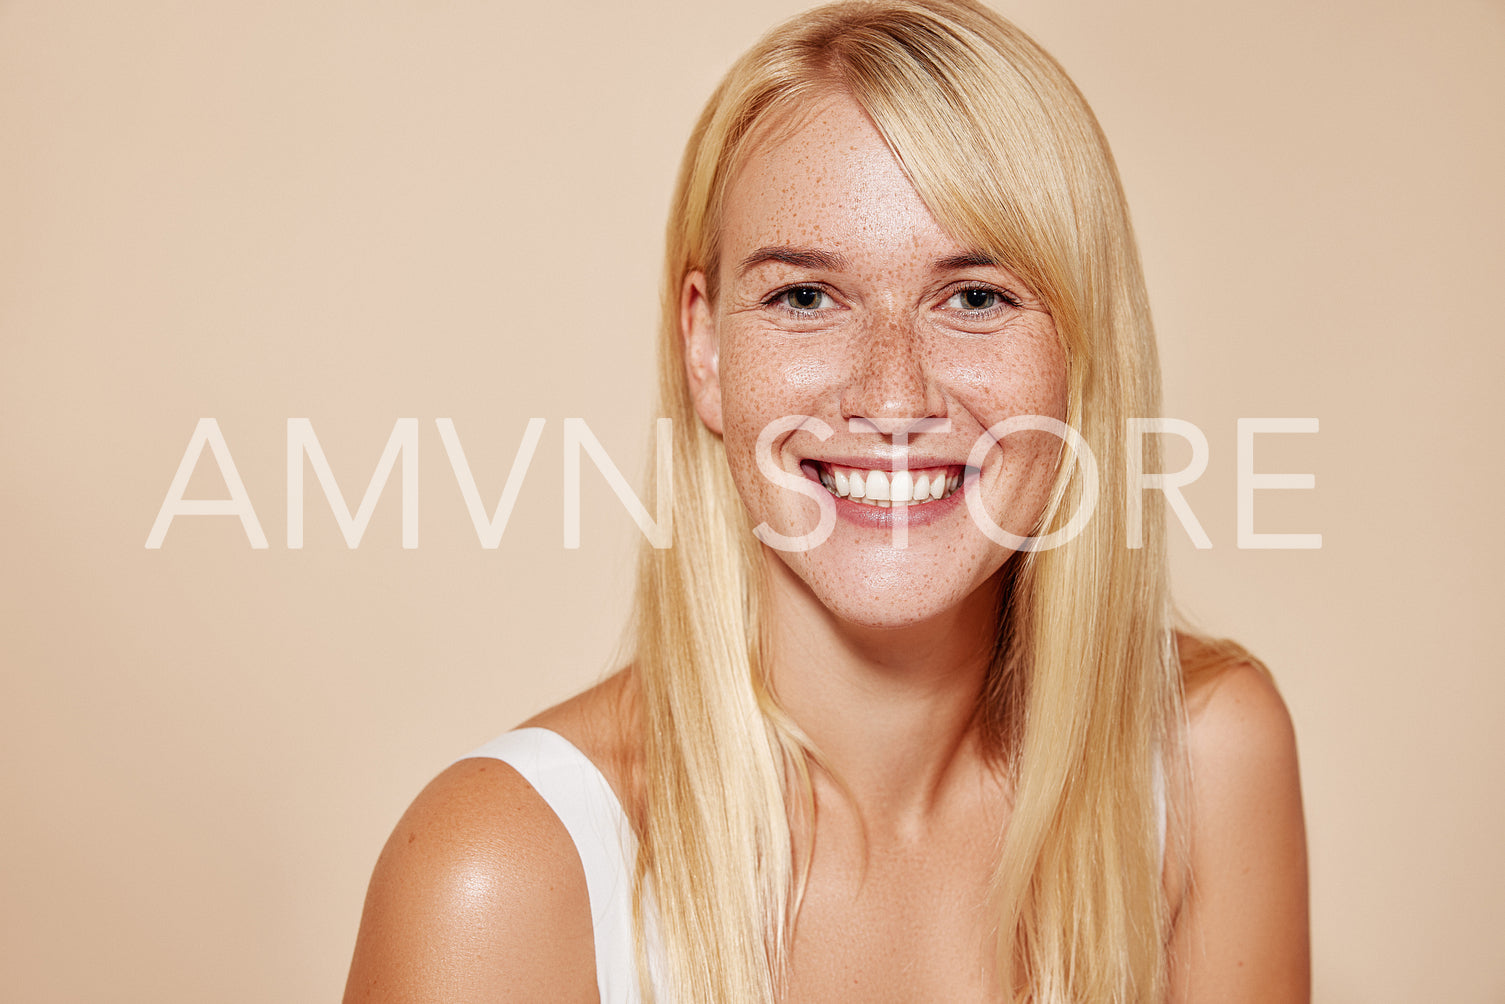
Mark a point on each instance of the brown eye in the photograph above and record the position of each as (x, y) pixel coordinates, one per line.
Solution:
(804, 298)
(975, 299)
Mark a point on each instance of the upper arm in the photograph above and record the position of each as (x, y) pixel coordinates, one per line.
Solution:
(479, 894)
(1241, 934)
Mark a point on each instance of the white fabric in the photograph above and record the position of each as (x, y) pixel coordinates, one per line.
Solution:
(572, 786)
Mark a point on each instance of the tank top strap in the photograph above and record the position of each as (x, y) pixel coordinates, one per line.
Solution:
(580, 796)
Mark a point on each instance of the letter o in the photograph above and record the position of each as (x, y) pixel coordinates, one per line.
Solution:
(1080, 450)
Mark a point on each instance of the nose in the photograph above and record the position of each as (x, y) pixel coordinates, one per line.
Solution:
(890, 379)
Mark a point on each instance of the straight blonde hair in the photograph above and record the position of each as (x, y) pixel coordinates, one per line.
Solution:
(1082, 703)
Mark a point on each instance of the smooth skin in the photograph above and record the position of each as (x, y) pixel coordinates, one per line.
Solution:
(880, 653)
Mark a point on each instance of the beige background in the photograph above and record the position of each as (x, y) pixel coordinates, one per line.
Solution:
(353, 212)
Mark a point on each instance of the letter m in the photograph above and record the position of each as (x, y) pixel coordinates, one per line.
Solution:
(403, 443)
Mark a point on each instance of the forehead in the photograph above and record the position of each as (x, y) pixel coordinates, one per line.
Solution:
(824, 177)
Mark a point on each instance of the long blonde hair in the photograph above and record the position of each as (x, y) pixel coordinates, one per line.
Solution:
(1083, 699)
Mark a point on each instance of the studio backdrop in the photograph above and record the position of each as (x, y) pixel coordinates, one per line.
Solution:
(415, 245)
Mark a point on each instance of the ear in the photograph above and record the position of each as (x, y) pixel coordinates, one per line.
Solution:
(697, 328)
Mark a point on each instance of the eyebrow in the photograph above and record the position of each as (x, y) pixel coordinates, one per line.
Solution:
(811, 258)
(814, 258)
(967, 259)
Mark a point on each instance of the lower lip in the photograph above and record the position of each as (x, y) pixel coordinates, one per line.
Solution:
(884, 518)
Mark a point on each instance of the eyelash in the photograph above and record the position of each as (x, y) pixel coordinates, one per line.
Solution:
(775, 300)
(1005, 297)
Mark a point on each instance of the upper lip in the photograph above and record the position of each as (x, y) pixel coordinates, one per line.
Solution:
(888, 462)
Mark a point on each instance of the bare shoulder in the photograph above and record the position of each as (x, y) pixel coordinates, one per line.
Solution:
(479, 894)
(1242, 932)
(1234, 712)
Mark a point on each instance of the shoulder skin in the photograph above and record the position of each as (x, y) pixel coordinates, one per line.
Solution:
(479, 895)
(1242, 930)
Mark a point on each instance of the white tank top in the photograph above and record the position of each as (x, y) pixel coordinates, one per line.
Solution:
(577, 792)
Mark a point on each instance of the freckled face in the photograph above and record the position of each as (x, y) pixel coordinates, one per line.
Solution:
(841, 298)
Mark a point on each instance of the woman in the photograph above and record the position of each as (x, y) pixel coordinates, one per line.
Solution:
(907, 717)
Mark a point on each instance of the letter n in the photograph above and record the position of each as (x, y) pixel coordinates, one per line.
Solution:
(578, 436)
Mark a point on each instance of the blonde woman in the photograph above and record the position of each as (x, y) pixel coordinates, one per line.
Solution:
(908, 719)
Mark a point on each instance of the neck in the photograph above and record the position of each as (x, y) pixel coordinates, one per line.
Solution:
(892, 711)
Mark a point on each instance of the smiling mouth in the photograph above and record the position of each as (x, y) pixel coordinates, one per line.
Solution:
(886, 489)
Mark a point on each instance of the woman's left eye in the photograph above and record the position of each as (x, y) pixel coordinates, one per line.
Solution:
(803, 298)
(978, 299)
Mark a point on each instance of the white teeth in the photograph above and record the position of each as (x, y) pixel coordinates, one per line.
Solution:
(885, 489)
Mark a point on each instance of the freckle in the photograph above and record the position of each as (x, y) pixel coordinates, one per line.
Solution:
(412, 837)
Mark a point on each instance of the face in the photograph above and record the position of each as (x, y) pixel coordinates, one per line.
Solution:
(840, 298)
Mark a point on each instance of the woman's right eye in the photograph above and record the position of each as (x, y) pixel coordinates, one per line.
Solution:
(803, 298)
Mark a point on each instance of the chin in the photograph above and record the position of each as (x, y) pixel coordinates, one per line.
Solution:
(881, 617)
(892, 595)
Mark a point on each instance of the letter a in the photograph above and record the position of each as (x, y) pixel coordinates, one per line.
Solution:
(238, 504)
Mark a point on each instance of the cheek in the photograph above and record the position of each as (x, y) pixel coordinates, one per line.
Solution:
(1018, 383)
(1025, 377)
(766, 379)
